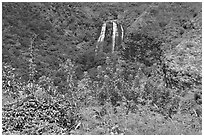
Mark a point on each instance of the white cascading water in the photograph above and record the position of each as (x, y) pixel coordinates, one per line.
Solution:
(122, 30)
(102, 34)
(115, 34)
(101, 38)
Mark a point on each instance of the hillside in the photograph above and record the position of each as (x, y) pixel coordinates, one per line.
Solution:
(54, 83)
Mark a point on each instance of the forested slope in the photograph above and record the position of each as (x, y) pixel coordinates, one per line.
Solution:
(54, 83)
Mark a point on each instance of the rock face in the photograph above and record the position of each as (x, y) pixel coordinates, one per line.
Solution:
(111, 37)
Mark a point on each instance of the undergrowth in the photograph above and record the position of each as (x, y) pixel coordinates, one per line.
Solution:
(116, 102)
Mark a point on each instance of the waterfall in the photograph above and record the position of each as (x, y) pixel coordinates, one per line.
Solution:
(102, 34)
(101, 38)
(114, 35)
(122, 30)
(117, 33)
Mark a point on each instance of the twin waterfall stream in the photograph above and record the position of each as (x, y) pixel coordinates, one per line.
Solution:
(111, 37)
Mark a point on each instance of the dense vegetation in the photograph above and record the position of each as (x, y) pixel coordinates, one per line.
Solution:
(54, 83)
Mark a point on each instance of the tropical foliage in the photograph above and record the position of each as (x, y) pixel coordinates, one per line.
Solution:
(54, 83)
